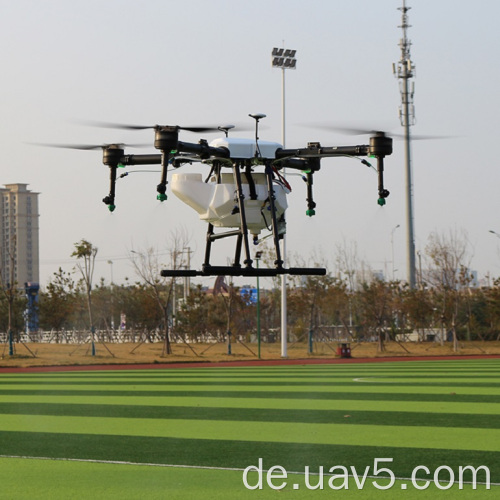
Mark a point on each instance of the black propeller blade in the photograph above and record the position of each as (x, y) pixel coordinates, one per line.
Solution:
(363, 131)
(89, 147)
(124, 126)
(199, 129)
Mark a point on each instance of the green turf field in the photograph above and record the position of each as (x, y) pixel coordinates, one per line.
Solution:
(118, 434)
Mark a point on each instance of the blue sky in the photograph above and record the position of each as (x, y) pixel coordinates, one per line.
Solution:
(195, 62)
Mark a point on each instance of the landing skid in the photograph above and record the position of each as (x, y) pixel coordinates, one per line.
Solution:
(244, 271)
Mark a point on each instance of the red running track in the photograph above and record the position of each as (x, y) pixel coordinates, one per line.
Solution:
(271, 362)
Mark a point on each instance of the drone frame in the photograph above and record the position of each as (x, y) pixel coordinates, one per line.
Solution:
(305, 159)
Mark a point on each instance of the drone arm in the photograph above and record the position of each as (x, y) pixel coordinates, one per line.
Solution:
(154, 159)
(380, 146)
(293, 163)
(203, 150)
(314, 150)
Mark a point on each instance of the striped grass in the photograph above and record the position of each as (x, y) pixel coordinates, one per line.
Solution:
(429, 413)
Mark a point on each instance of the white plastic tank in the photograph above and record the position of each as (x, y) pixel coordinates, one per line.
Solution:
(217, 203)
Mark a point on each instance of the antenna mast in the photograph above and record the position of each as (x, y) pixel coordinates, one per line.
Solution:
(404, 71)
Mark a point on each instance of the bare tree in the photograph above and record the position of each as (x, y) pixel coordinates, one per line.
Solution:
(356, 273)
(11, 293)
(85, 253)
(148, 265)
(449, 273)
(307, 300)
(348, 262)
(8, 286)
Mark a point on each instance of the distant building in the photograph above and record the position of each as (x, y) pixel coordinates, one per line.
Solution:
(19, 228)
(378, 274)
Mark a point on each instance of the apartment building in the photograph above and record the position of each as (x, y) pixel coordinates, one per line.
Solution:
(19, 228)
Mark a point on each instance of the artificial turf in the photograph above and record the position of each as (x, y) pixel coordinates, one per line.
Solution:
(417, 413)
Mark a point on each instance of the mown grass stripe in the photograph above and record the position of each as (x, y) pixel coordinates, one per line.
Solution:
(392, 418)
(376, 405)
(277, 432)
(449, 366)
(248, 387)
(364, 381)
(238, 453)
(460, 372)
(228, 373)
(449, 395)
(16, 462)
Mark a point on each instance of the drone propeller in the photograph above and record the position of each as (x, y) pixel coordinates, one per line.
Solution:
(112, 154)
(198, 129)
(89, 147)
(350, 130)
(363, 131)
(124, 126)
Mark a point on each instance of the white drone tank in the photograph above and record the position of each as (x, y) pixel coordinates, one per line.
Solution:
(217, 203)
(247, 148)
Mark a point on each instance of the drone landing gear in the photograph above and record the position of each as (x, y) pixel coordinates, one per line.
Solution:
(242, 238)
(244, 271)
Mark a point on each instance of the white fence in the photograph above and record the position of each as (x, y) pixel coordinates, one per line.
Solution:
(79, 336)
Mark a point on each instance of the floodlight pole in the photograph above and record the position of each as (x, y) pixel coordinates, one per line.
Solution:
(258, 256)
(283, 108)
(283, 59)
(284, 306)
(110, 262)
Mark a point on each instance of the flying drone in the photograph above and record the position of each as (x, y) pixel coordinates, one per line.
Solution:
(245, 191)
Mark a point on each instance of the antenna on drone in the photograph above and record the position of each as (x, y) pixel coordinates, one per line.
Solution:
(257, 117)
(225, 128)
(404, 71)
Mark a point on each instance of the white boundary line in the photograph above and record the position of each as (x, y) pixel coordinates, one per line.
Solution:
(204, 467)
(121, 462)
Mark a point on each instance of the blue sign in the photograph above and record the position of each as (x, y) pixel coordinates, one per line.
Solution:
(249, 295)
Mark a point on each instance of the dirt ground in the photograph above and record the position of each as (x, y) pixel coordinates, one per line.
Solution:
(37, 354)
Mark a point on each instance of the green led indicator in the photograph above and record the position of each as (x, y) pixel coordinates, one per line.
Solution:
(161, 197)
(310, 212)
(121, 165)
(381, 201)
(111, 208)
